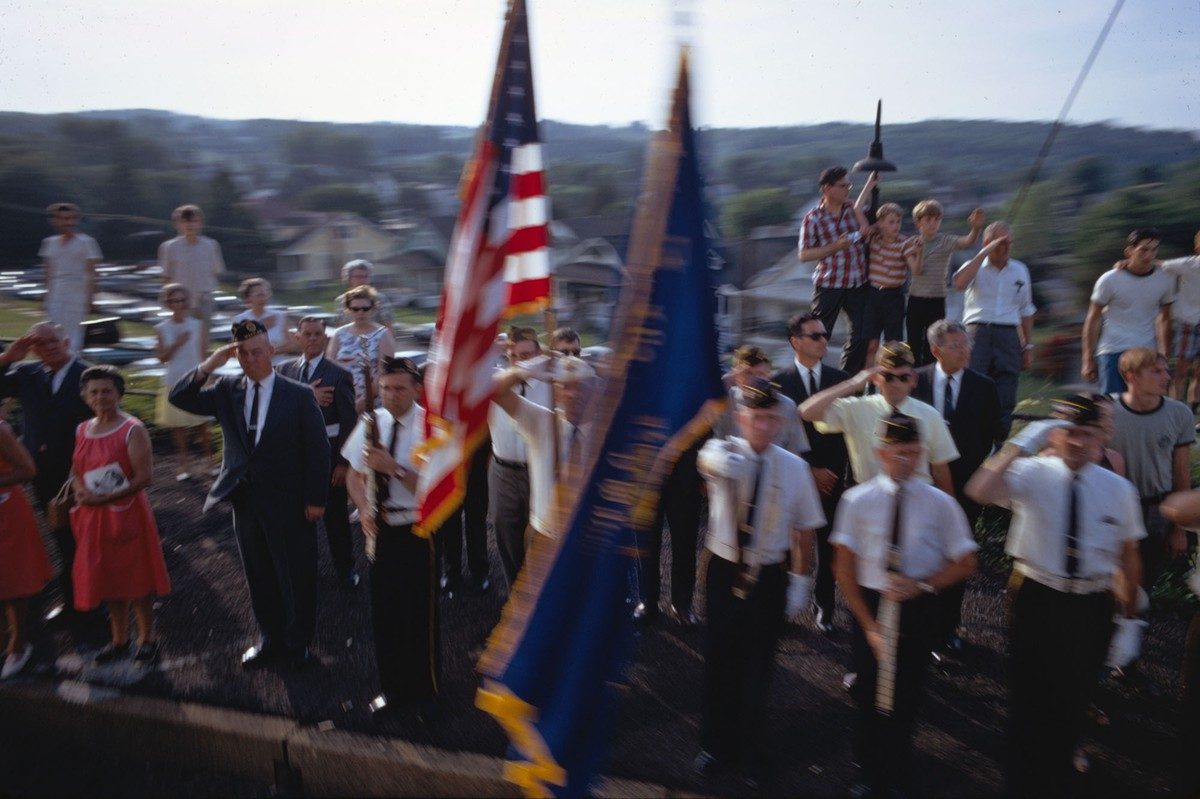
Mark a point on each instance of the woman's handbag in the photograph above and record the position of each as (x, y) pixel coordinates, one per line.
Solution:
(58, 509)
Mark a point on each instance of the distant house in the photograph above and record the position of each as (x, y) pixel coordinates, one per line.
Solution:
(419, 262)
(316, 253)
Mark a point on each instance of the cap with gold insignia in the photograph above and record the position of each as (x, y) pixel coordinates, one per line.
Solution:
(397, 365)
(758, 392)
(895, 355)
(1081, 409)
(247, 329)
(899, 428)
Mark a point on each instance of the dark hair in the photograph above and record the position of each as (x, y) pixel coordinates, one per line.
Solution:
(320, 320)
(62, 208)
(251, 283)
(796, 323)
(395, 365)
(518, 334)
(750, 355)
(833, 174)
(102, 372)
(1138, 235)
(564, 334)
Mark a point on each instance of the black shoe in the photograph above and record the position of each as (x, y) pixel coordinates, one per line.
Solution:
(111, 652)
(686, 618)
(350, 582)
(706, 764)
(427, 712)
(954, 644)
(56, 615)
(259, 655)
(382, 710)
(824, 620)
(147, 652)
(645, 613)
(860, 790)
(449, 587)
(481, 586)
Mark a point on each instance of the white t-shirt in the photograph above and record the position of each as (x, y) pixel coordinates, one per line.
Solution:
(68, 262)
(1186, 308)
(195, 266)
(534, 424)
(1131, 303)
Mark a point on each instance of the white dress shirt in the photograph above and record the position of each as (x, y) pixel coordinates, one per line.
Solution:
(939, 388)
(791, 436)
(933, 529)
(1038, 491)
(787, 501)
(400, 500)
(57, 378)
(999, 296)
(312, 365)
(507, 442)
(534, 424)
(265, 387)
(804, 371)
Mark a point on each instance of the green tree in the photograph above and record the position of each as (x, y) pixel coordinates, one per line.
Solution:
(341, 197)
(755, 208)
(227, 220)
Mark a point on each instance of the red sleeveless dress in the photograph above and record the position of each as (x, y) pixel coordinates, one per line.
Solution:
(118, 554)
(24, 567)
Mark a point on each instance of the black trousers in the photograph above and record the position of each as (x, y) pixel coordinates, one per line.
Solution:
(679, 505)
(404, 615)
(923, 312)
(49, 479)
(279, 555)
(470, 522)
(508, 503)
(951, 599)
(824, 584)
(739, 651)
(337, 530)
(1187, 776)
(883, 744)
(1057, 644)
(827, 304)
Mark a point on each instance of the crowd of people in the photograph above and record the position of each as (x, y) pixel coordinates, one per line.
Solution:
(866, 477)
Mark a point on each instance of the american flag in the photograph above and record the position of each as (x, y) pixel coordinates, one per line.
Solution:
(498, 265)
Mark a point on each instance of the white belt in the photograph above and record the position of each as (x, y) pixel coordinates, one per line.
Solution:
(332, 430)
(1065, 585)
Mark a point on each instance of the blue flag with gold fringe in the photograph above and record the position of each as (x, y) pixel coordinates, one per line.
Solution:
(564, 638)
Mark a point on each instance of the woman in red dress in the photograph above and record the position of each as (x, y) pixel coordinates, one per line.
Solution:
(118, 559)
(24, 568)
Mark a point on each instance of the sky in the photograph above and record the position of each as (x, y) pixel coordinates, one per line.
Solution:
(757, 62)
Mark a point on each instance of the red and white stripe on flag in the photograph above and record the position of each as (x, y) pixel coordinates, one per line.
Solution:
(527, 254)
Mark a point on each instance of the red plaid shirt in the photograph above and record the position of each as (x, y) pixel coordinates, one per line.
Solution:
(845, 269)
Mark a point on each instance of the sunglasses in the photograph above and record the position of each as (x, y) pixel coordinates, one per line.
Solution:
(890, 376)
(813, 336)
(361, 308)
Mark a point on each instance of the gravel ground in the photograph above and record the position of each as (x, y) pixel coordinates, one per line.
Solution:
(206, 623)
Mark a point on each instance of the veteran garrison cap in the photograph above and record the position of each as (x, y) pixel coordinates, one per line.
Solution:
(1076, 409)
(758, 393)
(895, 355)
(397, 365)
(247, 329)
(899, 428)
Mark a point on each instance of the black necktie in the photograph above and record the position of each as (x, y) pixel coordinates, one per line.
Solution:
(812, 382)
(252, 426)
(744, 580)
(948, 399)
(894, 553)
(752, 511)
(1073, 528)
(392, 452)
(304, 372)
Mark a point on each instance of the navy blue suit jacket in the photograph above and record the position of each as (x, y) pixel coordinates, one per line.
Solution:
(289, 465)
(341, 412)
(48, 420)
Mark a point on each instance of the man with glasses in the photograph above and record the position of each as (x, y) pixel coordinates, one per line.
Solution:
(837, 410)
(827, 456)
(70, 259)
(831, 235)
(970, 404)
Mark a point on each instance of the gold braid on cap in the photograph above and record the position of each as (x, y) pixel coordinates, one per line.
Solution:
(893, 354)
(247, 329)
(898, 428)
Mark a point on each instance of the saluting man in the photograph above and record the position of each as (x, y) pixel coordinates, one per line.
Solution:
(763, 509)
(897, 539)
(1074, 525)
(404, 604)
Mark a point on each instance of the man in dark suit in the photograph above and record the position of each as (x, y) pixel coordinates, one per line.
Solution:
(333, 387)
(51, 409)
(970, 404)
(827, 457)
(275, 472)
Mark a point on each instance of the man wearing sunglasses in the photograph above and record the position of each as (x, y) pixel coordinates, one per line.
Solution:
(838, 410)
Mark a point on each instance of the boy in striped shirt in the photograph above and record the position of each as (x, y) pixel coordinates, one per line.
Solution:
(886, 277)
